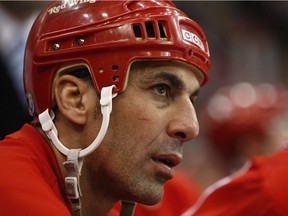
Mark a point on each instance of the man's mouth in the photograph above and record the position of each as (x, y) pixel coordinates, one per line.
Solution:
(169, 159)
(164, 164)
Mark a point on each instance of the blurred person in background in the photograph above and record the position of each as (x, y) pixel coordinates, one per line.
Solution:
(240, 122)
(246, 126)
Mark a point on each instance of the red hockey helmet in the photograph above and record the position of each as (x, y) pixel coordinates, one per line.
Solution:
(106, 37)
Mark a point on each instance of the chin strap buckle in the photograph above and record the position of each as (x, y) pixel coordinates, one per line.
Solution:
(73, 165)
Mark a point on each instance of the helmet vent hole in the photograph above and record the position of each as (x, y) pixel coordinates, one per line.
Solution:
(116, 78)
(150, 30)
(162, 29)
(137, 32)
(115, 67)
(190, 52)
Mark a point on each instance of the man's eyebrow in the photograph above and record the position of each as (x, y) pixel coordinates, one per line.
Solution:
(172, 78)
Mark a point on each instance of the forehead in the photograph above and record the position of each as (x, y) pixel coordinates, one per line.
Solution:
(150, 69)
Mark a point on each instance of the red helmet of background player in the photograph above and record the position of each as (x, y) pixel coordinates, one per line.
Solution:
(106, 37)
(241, 110)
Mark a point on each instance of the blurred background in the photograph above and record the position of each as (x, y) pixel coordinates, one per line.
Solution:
(247, 40)
(247, 43)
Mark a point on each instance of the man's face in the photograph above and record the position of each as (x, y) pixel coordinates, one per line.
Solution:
(149, 122)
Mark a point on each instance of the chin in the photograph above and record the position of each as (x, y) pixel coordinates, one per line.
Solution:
(151, 198)
(152, 202)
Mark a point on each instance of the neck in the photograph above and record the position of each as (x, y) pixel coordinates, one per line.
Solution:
(95, 199)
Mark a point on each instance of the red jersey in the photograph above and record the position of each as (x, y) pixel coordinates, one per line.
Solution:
(260, 188)
(180, 194)
(30, 179)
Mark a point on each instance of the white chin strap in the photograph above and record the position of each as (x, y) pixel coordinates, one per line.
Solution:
(75, 157)
(106, 107)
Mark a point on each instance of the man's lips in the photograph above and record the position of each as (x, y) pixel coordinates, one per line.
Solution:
(169, 159)
(164, 163)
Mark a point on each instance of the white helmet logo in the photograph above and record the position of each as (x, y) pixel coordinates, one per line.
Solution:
(189, 36)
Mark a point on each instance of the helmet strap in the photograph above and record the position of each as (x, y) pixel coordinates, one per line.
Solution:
(127, 208)
(73, 165)
(74, 161)
(49, 128)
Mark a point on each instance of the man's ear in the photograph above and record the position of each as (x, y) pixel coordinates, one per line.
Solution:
(73, 98)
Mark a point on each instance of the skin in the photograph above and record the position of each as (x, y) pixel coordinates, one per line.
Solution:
(150, 120)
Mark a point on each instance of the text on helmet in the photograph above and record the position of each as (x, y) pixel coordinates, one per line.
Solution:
(191, 37)
(67, 3)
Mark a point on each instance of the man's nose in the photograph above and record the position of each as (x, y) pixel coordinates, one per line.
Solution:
(184, 124)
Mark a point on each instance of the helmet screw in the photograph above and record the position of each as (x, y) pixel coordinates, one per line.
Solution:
(56, 46)
(80, 41)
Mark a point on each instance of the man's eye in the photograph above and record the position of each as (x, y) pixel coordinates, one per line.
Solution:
(161, 89)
